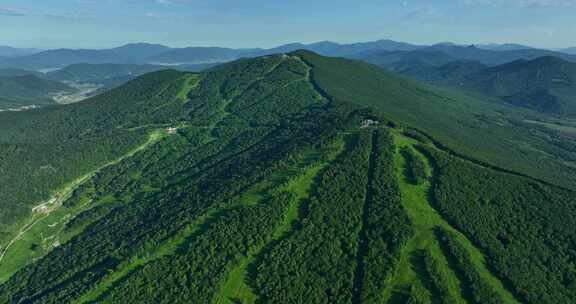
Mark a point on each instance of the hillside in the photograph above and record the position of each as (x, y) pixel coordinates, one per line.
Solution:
(7, 51)
(546, 84)
(97, 73)
(18, 72)
(291, 178)
(423, 65)
(471, 53)
(27, 90)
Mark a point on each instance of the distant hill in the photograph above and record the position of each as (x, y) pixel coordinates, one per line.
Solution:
(131, 53)
(328, 48)
(26, 90)
(95, 73)
(546, 84)
(503, 47)
(471, 53)
(199, 55)
(143, 53)
(571, 51)
(7, 51)
(491, 57)
(18, 72)
(425, 65)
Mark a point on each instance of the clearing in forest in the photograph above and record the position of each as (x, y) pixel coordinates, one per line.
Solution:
(411, 278)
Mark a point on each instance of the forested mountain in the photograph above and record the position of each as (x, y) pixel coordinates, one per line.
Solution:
(27, 90)
(503, 46)
(546, 84)
(101, 73)
(424, 65)
(7, 51)
(571, 51)
(329, 48)
(291, 178)
(200, 55)
(469, 53)
(144, 53)
(130, 53)
(378, 52)
(18, 72)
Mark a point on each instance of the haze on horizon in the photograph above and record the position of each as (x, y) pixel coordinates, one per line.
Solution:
(259, 23)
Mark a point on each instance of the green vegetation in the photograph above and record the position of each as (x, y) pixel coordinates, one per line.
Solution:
(27, 90)
(237, 286)
(544, 84)
(524, 227)
(422, 260)
(472, 128)
(258, 182)
(47, 229)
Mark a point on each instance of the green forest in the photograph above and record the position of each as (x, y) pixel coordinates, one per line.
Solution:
(259, 181)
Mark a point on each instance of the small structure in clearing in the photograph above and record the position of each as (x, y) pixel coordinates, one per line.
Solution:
(172, 130)
(368, 123)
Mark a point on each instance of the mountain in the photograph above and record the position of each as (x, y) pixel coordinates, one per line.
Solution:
(473, 53)
(291, 178)
(503, 47)
(131, 53)
(28, 90)
(199, 55)
(546, 84)
(491, 57)
(18, 72)
(144, 53)
(99, 73)
(424, 65)
(571, 51)
(328, 48)
(7, 51)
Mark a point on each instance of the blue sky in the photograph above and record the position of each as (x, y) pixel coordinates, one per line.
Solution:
(266, 23)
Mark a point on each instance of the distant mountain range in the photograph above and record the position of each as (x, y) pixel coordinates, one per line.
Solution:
(517, 74)
(546, 84)
(7, 51)
(571, 51)
(24, 88)
(144, 53)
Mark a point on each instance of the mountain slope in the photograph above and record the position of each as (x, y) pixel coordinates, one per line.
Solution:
(424, 65)
(470, 53)
(546, 84)
(7, 51)
(328, 48)
(18, 72)
(97, 73)
(455, 120)
(571, 51)
(290, 178)
(27, 90)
